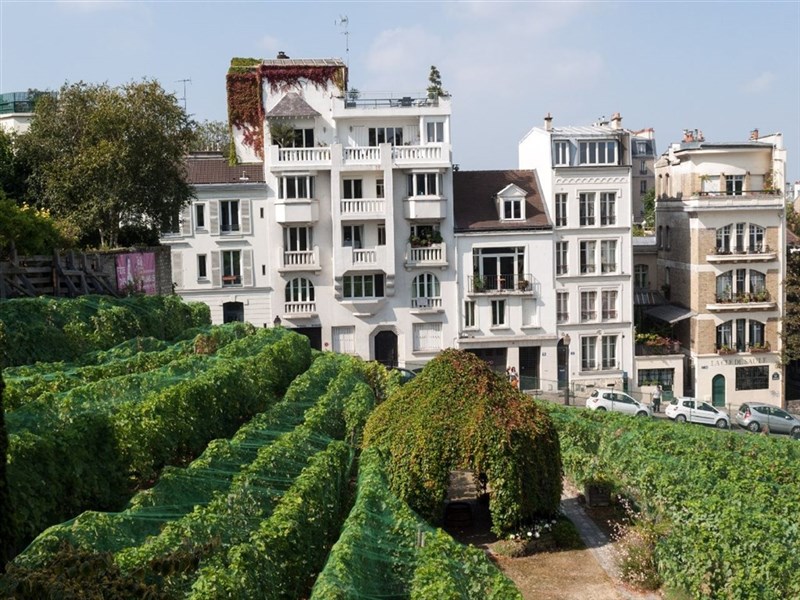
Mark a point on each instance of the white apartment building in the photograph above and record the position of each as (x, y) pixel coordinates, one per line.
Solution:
(349, 236)
(504, 249)
(585, 180)
(721, 237)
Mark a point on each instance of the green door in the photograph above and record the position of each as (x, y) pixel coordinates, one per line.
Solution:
(718, 390)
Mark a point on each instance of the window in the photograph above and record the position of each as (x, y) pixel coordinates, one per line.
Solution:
(608, 208)
(352, 189)
(752, 378)
(609, 348)
(660, 237)
(758, 282)
(561, 210)
(427, 337)
(499, 268)
(663, 377)
(200, 216)
(588, 306)
(434, 132)
(381, 235)
(423, 184)
(561, 153)
(498, 313)
(609, 304)
(641, 276)
(740, 335)
(300, 289)
(588, 353)
(734, 185)
(362, 286)
(725, 335)
(302, 138)
(643, 170)
(586, 201)
(379, 188)
(352, 236)
(598, 153)
(643, 186)
(469, 314)
(738, 246)
(667, 242)
(344, 340)
(425, 291)
(297, 239)
(382, 135)
(231, 267)
(296, 186)
(747, 333)
(562, 307)
(724, 239)
(587, 256)
(561, 258)
(756, 239)
(202, 269)
(608, 256)
(229, 215)
(512, 209)
(755, 334)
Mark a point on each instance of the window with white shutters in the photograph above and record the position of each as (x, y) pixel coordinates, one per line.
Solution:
(427, 337)
(344, 339)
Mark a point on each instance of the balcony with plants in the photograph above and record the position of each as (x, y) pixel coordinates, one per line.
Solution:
(739, 254)
(506, 284)
(729, 300)
(426, 250)
(654, 344)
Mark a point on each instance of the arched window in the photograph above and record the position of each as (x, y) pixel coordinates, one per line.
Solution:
(425, 292)
(300, 289)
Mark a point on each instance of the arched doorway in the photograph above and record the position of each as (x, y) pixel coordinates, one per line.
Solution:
(718, 390)
(386, 348)
(232, 311)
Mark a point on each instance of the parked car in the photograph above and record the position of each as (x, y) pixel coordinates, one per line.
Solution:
(405, 374)
(755, 415)
(696, 411)
(617, 402)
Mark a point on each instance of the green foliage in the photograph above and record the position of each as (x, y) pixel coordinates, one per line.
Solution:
(791, 316)
(53, 329)
(456, 414)
(6, 508)
(649, 207)
(211, 136)
(100, 156)
(28, 230)
(435, 89)
(725, 504)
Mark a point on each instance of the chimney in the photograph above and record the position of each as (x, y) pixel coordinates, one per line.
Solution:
(282, 54)
(754, 135)
(548, 123)
(616, 121)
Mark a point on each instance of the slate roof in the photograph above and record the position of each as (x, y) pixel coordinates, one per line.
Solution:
(475, 207)
(212, 167)
(303, 62)
(292, 105)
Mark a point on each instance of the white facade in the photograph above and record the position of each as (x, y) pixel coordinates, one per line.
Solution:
(585, 178)
(332, 254)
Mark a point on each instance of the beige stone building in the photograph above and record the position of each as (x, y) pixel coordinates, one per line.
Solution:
(720, 236)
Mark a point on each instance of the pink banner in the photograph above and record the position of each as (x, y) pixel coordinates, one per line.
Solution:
(136, 272)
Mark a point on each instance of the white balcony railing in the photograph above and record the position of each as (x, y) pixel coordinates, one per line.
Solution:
(426, 256)
(348, 258)
(366, 155)
(302, 156)
(300, 308)
(363, 207)
(300, 260)
(423, 303)
(365, 256)
(412, 154)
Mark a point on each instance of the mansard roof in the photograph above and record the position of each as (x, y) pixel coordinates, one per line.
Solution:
(475, 207)
(292, 105)
(212, 167)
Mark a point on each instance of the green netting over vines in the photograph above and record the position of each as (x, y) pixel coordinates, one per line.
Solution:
(90, 440)
(459, 414)
(255, 512)
(52, 329)
(386, 550)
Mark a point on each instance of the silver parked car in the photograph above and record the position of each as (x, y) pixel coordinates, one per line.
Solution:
(696, 411)
(617, 402)
(755, 415)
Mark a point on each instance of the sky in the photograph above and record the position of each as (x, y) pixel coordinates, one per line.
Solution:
(724, 68)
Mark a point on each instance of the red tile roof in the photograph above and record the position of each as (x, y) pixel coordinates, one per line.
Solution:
(474, 204)
(206, 168)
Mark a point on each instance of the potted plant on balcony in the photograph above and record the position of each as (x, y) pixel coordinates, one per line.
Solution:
(725, 349)
(764, 347)
(478, 284)
(523, 285)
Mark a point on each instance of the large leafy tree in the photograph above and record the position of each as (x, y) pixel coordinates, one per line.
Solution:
(104, 157)
(211, 136)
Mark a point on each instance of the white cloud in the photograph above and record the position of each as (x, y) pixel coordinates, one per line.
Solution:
(759, 84)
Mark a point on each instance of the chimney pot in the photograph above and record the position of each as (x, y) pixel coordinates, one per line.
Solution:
(282, 54)
(548, 122)
(754, 135)
(616, 121)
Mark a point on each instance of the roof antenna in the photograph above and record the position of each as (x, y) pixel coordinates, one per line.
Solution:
(184, 82)
(343, 22)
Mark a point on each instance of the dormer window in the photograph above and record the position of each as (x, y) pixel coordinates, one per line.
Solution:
(511, 203)
(560, 153)
(600, 152)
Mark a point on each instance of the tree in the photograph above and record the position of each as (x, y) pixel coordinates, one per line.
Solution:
(211, 136)
(435, 84)
(791, 316)
(649, 206)
(103, 157)
(27, 229)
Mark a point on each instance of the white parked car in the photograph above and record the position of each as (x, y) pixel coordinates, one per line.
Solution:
(696, 411)
(617, 402)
